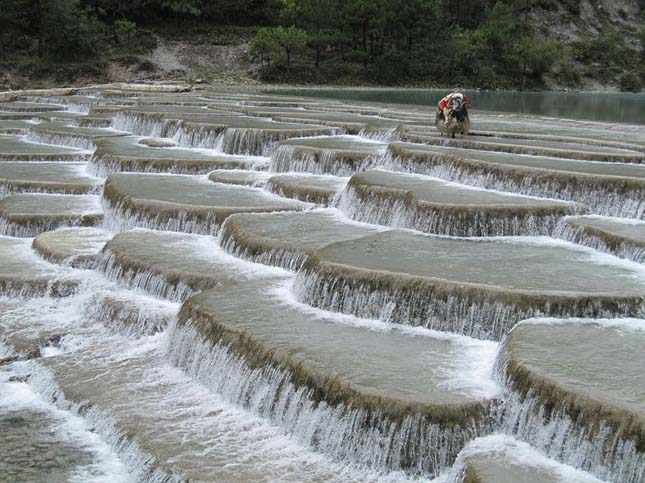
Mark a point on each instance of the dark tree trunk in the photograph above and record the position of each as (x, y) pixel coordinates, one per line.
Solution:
(365, 27)
(37, 19)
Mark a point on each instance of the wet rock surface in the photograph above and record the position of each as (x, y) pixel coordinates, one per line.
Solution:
(28, 215)
(287, 239)
(309, 188)
(182, 203)
(77, 247)
(612, 189)
(479, 287)
(47, 177)
(596, 387)
(619, 236)
(228, 285)
(366, 389)
(432, 205)
(17, 148)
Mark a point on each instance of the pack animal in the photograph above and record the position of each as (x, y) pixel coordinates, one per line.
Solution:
(452, 115)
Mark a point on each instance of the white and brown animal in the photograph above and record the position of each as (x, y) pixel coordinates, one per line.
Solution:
(452, 115)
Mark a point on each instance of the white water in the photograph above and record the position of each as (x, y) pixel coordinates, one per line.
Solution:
(199, 415)
(200, 407)
(59, 428)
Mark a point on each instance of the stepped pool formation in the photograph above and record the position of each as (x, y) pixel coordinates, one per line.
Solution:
(222, 284)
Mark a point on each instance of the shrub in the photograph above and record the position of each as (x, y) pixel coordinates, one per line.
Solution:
(630, 82)
(124, 31)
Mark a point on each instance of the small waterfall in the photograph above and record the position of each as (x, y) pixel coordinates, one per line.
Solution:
(59, 139)
(619, 198)
(600, 241)
(585, 442)
(104, 165)
(121, 313)
(414, 444)
(242, 247)
(243, 141)
(291, 158)
(61, 286)
(119, 216)
(14, 187)
(254, 142)
(456, 308)
(141, 124)
(381, 135)
(41, 100)
(79, 156)
(144, 466)
(28, 228)
(199, 136)
(141, 278)
(78, 108)
(397, 209)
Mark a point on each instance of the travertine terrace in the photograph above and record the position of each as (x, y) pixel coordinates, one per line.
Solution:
(224, 285)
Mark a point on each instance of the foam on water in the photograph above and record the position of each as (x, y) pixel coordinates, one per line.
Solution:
(553, 431)
(473, 358)
(343, 433)
(516, 453)
(606, 200)
(257, 446)
(625, 324)
(68, 429)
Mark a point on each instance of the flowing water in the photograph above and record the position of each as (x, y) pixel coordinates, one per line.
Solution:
(621, 107)
(243, 287)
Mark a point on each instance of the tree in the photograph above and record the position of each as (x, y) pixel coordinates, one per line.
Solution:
(289, 39)
(124, 31)
(263, 45)
(68, 30)
(537, 56)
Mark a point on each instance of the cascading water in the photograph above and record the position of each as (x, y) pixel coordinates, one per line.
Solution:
(607, 198)
(185, 406)
(623, 248)
(342, 432)
(565, 437)
(58, 139)
(399, 210)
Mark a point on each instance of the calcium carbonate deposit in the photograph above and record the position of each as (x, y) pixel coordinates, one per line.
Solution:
(215, 286)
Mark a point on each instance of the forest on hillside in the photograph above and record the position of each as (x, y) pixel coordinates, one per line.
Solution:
(474, 43)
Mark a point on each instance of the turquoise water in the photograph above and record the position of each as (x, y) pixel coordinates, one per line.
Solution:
(613, 107)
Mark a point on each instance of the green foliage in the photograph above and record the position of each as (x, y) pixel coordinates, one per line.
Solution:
(630, 82)
(124, 31)
(483, 43)
(190, 7)
(290, 40)
(263, 46)
(278, 39)
(68, 29)
(475, 42)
